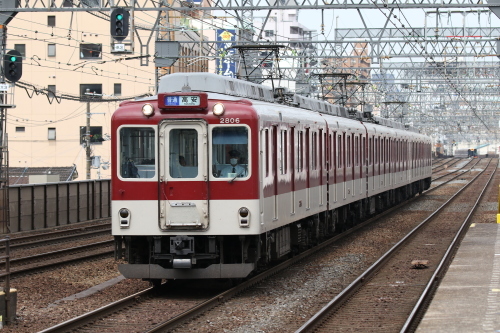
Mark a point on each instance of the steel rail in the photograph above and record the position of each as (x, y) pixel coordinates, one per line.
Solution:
(207, 305)
(350, 290)
(43, 241)
(218, 299)
(423, 301)
(458, 172)
(67, 251)
(98, 313)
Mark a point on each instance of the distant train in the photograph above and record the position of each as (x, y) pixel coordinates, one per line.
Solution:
(464, 153)
(213, 178)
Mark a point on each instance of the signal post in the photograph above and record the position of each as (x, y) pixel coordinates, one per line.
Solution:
(11, 72)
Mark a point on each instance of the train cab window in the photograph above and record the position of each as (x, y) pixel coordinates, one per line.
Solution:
(183, 150)
(137, 152)
(230, 152)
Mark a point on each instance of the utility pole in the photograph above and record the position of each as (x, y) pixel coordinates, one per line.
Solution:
(87, 141)
(88, 150)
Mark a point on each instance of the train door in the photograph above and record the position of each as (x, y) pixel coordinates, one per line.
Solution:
(340, 174)
(371, 167)
(388, 161)
(292, 169)
(376, 163)
(183, 178)
(308, 168)
(321, 165)
(362, 164)
(348, 167)
(333, 164)
(357, 169)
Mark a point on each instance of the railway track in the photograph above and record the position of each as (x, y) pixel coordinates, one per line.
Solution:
(443, 163)
(445, 175)
(447, 165)
(113, 318)
(45, 237)
(402, 281)
(42, 261)
(37, 252)
(110, 318)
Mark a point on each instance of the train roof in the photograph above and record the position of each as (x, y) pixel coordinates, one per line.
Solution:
(227, 86)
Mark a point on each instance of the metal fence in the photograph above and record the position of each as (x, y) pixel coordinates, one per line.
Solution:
(40, 206)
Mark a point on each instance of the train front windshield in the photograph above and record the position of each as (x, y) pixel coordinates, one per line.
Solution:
(137, 152)
(229, 152)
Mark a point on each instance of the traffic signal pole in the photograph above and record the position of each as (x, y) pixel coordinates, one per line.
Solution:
(4, 152)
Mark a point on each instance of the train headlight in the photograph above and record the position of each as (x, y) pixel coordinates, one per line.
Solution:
(218, 109)
(124, 215)
(148, 110)
(244, 217)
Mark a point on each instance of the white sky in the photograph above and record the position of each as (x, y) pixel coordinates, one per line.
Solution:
(375, 18)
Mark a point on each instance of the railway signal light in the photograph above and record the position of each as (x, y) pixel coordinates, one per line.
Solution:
(13, 66)
(119, 23)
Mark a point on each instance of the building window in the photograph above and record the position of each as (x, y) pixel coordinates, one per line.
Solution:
(20, 129)
(95, 135)
(52, 133)
(21, 48)
(90, 91)
(68, 3)
(51, 88)
(295, 31)
(51, 50)
(51, 20)
(90, 51)
(269, 33)
(117, 89)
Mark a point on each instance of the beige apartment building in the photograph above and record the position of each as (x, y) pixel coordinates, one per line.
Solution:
(67, 54)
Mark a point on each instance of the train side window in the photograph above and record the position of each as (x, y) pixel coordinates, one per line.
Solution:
(267, 152)
(387, 150)
(314, 149)
(300, 151)
(323, 145)
(340, 152)
(356, 151)
(284, 152)
(137, 152)
(330, 148)
(363, 151)
(334, 150)
(382, 151)
(230, 152)
(348, 152)
(370, 151)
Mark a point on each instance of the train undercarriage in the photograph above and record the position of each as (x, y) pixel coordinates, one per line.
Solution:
(203, 257)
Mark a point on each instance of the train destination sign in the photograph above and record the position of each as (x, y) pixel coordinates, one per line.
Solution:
(182, 100)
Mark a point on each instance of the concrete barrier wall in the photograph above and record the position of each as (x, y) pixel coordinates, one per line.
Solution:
(40, 206)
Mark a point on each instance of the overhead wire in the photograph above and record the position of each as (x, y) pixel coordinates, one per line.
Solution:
(426, 56)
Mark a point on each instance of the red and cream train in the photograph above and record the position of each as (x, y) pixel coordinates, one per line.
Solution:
(212, 178)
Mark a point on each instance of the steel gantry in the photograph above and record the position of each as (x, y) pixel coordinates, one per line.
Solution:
(435, 75)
